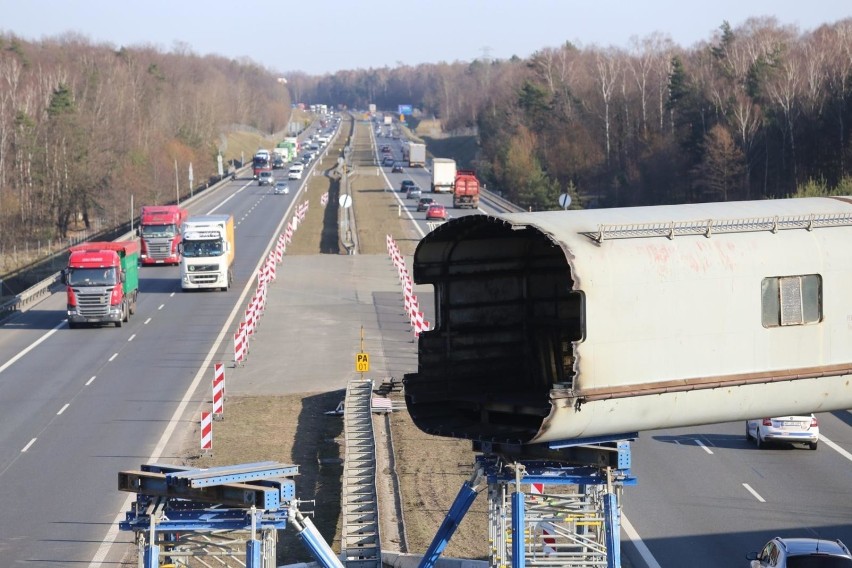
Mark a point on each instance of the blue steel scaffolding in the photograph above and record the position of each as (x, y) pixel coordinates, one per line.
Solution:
(182, 513)
(569, 517)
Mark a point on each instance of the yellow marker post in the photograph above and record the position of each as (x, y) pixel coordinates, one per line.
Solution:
(362, 360)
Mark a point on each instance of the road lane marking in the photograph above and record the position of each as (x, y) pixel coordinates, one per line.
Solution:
(131, 337)
(172, 295)
(146, 321)
(640, 545)
(753, 492)
(30, 347)
(161, 306)
(177, 416)
(835, 447)
(705, 448)
(27, 447)
(90, 381)
(114, 355)
(61, 410)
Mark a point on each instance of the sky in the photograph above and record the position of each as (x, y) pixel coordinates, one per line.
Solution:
(330, 35)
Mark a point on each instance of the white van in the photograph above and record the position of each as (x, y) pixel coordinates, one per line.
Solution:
(295, 171)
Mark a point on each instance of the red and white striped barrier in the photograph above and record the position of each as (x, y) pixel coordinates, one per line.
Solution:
(206, 431)
(240, 345)
(218, 391)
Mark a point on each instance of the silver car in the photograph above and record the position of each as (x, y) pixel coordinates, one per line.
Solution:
(281, 188)
(803, 552)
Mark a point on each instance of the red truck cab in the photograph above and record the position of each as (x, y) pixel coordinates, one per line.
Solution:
(159, 234)
(102, 282)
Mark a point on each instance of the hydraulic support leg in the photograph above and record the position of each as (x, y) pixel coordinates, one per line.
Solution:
(612, 529)
(467, 494)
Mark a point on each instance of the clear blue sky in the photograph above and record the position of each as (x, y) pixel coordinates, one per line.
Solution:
(324, 36)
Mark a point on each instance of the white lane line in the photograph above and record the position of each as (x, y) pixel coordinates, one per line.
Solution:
(705, 448)
(835, 447)
(161, 306)
(90, 381)
(30, 347)
(61, 410)
(753, 492)
(114, 355)
(146, 321)
(641, 548)
(131, 337)
(172, 295)
(112, 532)
(27, 447)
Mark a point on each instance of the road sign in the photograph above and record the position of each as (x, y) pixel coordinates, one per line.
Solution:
(362, 363)
(345, 201)
(564, 200)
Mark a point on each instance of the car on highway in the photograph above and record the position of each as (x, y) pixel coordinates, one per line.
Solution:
(786, 429)
(801, 553)
(388, 162)
(397, 168)
(265, 178)
(413, 192)
(295, 171)
(281, 188)
(386, 149)
(436, 211)
(406, 183)
(424, 203)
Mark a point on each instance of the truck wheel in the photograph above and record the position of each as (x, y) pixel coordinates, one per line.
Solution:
(133, 305)
(118, 323)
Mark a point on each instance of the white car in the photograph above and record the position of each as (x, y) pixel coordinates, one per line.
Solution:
(785, 429)
(295, 172)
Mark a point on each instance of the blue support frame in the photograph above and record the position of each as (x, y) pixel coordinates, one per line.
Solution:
(464, 499)
(519, 559)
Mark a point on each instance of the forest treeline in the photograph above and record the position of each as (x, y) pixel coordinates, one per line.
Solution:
(83, 127)
(760, 110)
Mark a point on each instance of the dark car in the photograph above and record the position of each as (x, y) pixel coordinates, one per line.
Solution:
(397, 168)
(406, 183)
(388, 162)
(424, 203)
(436, 211)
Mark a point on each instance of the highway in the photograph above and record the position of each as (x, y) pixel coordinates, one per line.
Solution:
(78, 406)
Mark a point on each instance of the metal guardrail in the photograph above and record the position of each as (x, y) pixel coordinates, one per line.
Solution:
(500, 202)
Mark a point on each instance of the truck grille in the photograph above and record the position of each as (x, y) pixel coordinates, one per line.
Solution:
(93, 304)
(203, 278)
(159, 249)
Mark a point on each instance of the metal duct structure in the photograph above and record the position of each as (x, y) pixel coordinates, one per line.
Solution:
(574, 324)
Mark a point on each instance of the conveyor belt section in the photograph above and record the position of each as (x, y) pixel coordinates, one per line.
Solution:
(360, 544)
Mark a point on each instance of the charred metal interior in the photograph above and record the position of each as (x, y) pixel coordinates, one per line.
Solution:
(505, 322)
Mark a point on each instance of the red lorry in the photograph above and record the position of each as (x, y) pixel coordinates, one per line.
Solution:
(466, 189)
(159, 233)
(102, 282)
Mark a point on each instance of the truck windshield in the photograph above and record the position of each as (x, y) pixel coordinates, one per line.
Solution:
(203, 248)
(158, 230)
(91, 277)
